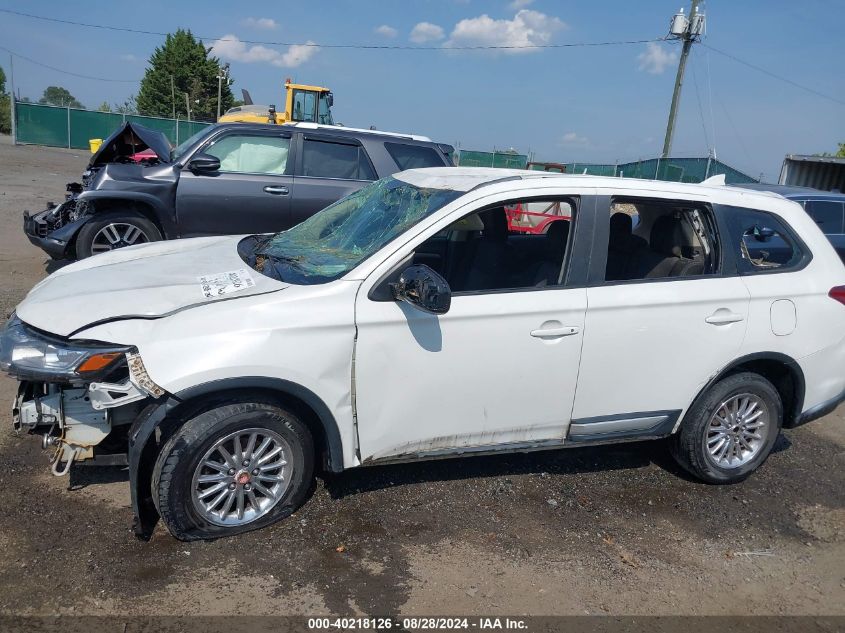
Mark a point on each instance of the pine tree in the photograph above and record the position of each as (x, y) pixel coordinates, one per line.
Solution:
(186, 59)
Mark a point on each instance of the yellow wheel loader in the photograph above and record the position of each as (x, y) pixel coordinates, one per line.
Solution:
(311, 104)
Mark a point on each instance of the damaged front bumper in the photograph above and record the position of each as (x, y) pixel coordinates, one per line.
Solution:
(54, 229)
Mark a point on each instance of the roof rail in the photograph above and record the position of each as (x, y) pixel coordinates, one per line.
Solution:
(494, 182)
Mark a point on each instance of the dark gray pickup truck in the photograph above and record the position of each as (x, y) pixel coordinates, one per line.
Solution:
(230, 178)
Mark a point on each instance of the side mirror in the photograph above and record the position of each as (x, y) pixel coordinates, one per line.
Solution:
(204, 163)
(763, 234)
(423, 288)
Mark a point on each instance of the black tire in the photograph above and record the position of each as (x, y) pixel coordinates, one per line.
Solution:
(173, 476)
(87, 234)
(689, 445)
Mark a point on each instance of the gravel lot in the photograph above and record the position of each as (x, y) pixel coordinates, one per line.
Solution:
(614, 530)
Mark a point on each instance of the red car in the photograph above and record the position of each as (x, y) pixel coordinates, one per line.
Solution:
(535, 217)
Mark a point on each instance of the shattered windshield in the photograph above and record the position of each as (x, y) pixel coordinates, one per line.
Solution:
(334, 241)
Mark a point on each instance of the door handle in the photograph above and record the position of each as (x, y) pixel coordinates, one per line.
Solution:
(276, 190)
(723, 317)
(555, 332)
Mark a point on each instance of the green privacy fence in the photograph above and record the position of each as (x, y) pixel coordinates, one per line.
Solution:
(38, 124)
(670, 169)
(468, 158)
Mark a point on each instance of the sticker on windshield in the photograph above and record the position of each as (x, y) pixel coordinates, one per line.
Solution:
(219, 284)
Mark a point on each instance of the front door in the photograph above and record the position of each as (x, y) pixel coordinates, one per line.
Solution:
(250, 193)
(498, 370)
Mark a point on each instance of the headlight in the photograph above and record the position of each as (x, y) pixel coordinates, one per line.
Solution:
(27, 354)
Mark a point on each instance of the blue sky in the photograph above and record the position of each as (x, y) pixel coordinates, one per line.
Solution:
(600, 104)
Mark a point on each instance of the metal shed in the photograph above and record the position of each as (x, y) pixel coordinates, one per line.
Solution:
(819, 172)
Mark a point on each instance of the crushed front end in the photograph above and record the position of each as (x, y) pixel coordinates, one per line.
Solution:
(53, 229)
(79, 396)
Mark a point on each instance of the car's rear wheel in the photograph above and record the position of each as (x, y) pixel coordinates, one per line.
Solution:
(232, 469)
(730, 430)
(113, 230)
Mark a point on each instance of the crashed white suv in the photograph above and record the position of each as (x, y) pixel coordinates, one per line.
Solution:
(413, 320)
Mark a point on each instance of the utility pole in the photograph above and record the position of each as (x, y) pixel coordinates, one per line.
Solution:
(12, 103)
(688, 30)
(222, 73)
(188, 105)
(173, 96)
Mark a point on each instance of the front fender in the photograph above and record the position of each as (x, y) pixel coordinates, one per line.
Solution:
(143, 447)
(164, 213)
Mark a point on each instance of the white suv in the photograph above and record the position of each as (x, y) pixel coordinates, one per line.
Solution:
(409, 321)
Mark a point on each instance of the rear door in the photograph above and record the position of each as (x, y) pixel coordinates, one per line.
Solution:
(250, 193)
(327, 169)
(653, 339)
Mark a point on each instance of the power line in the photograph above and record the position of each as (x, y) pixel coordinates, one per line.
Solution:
(352, 46)
(771, 74)
(67, 72)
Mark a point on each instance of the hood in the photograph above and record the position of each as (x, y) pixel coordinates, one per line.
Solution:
(128, 140)
(144, 281)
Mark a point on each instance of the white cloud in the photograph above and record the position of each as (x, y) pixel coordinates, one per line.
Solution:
(129, 57)
(231, 48)
(527, 28)
(573, 138)
(426, 32)
(655, 59)
(516, 5)
(262, 24)
(386, 30)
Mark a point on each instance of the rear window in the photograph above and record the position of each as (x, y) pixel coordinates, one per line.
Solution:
(324, 159)
(413, 156)
(827, 214)
(763, 242)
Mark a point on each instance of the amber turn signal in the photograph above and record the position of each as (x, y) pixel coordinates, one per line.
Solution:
(98, 362)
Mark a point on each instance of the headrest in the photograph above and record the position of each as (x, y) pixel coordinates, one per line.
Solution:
(558, 231)
(621, 225)
(495, 223)
(667, 236)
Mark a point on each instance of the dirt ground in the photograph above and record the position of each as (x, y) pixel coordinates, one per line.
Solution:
(616, 530)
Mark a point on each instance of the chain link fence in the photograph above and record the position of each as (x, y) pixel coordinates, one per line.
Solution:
(55, 126)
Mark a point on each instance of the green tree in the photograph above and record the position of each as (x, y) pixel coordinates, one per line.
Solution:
(58, 96)
(185, 59)
(104, 107)
(129, 106)
(5, 106)
(841, 152)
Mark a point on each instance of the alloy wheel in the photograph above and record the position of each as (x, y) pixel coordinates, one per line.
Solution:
(117, 235)
(241, 477)
(738, 430)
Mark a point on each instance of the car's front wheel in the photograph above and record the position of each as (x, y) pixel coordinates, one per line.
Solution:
(232, 469)
(730, 430)
(106, 232)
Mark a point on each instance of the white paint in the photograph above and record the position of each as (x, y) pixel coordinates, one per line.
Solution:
(474, 378)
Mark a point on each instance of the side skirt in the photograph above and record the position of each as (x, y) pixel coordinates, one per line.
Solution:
(615, 429)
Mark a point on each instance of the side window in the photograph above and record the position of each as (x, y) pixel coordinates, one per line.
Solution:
(304, 106)
(413, 156)
(827, 214)
(762, 241)
(480, 253)
(536, 217)
(251, 154)
(325, 159)
(657, 239)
